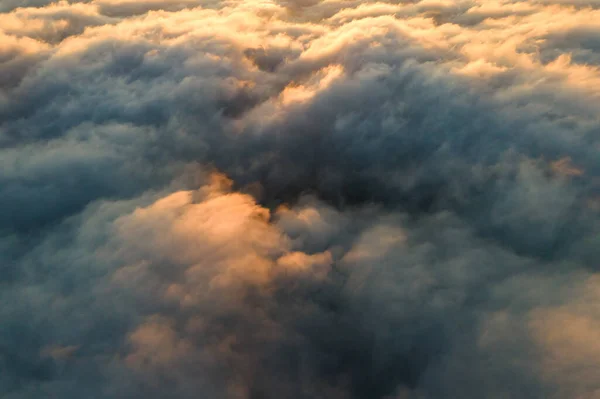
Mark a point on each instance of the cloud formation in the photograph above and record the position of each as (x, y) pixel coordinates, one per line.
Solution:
(299, 199)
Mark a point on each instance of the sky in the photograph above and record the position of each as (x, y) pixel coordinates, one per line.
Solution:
(340, 199)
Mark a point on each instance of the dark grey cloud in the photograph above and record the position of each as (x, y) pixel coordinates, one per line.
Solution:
(411, 214)
(581, 43)
(9, 5)
(131, 8)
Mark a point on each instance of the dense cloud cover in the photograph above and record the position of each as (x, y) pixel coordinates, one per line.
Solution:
(299, 199)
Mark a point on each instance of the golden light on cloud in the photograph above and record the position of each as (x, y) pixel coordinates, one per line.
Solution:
(565, 167)
(318, 82)
(567, 335)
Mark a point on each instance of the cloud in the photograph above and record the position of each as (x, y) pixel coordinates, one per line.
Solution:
(329, 199)
(565, 336)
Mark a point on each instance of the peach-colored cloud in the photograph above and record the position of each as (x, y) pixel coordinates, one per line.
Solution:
(213, 238)
(317, 265)
(210, 240)
(565, 167)
(567, 336)
(505, 39)
(318, 82)
(156, 344)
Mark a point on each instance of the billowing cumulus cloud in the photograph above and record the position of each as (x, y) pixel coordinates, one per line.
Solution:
(299, 199)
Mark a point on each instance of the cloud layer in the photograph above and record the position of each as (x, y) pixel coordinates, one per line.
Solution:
(299, 199)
